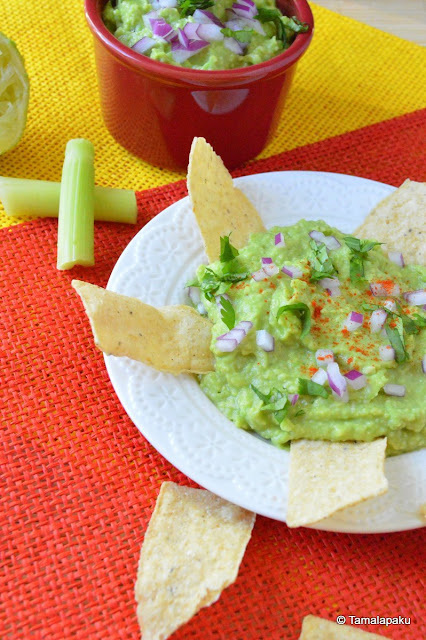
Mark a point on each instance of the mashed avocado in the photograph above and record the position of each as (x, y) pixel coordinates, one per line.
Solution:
(239, 34)
(307, 318)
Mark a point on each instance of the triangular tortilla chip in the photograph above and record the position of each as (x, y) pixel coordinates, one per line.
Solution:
(219, 207)
(192, 550)
(175, 339)
(399, 221)
(325, 477)
(315, 628)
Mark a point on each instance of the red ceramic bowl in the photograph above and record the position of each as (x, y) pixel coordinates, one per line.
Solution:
(155, 109)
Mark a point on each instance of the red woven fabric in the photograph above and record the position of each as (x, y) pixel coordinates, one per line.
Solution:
(79, 481)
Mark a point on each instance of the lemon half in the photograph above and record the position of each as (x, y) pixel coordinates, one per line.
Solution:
(14, 94)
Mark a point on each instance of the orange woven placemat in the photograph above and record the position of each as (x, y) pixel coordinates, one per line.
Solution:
(80, 481)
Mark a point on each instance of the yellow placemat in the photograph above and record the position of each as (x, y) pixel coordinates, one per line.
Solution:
(352, 75)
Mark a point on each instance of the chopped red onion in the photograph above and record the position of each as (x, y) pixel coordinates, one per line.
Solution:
(180, 53)
(397, 258)
(204, 17)
(147, 17)
(331, 285)
(237, 334)
(377, 320)
(353, 321)
(416, 298)
(167, 4)
(267, 261)
(386, 353)
(397, 390)
(210, 32)
(293, 272)
(279, 240)
(379, 289)
(424, 364)
(162, 29)
(194, 294)
(183, 38)
(356, 379)
(201, 310)
(259, 275)
(191, 31)
(144, 44)
(245, 8)
(337, 382)
(265, 340)
(318, 236)
(236, 22)
(324, 357)
(226, 345)
(246, 325)
(218, 299)
(320, 376)
(293, 398)
(331, 243)
(233, 45)
(270, 269)
(390, 304)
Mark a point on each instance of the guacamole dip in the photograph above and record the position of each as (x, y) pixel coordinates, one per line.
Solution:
(202, 34)
(316, 335)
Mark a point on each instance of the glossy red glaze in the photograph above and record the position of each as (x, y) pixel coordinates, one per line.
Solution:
(155, 109)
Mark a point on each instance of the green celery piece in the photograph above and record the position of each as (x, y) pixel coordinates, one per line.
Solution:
(40, 198)
(76, 206)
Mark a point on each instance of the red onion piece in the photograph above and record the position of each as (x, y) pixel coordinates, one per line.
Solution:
(377, 320)
(320, 376)
(390, 304)
(270, 269)
(183, 38)
(147, 17)
(279, 240)
(416, 298)
(397, 390)
(210, 32)
(162, 29)
(397, 258)
(194, 294)
(233, 45)
(204, 17)
(356, 379)
(181, 53)
(293, 272)
(337, 382)
(293, 398)
(265, 340)
(324, 357)
(218, 299)
(424, 364)
(267, 261)
(380, 289)
(331, 285)
(245, 8)
(386, 353)
(191, 31)
(226, 345)
(236, 333)
(331, 243)
(167, 4)
(144, 44)
(259, 275)
(354, 321)
(318, 236)
(236, 22)
(246, 325)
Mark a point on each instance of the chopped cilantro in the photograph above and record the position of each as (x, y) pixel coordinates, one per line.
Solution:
(227, 312)
(187, 7)
(211, 282)
(304, 313)
(227, 251)
(285, 27)
(359, 249)
(242, 35)
(274, 401)
(419, 320)
(397, 343)
(321, 265)
(310, 388)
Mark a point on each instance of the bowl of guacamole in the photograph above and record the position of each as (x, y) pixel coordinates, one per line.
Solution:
(170, 70)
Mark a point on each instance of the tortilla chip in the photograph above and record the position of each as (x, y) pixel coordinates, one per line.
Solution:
(192, 550)
(399, 220)
(219, 207)
(314, 628)
(175, 339)
(325, 477)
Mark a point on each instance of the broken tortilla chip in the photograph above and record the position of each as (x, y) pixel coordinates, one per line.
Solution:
(325, 477)
(314, 628)
(192, 550)
(219, 207)
(175, 339)
(399, 221)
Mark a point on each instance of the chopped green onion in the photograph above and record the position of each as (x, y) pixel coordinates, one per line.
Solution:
(76, 205)
(40, 198)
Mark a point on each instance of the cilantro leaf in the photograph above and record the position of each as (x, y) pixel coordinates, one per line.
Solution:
(321, 265)
(262, 396)
(227, 312)
(234, 277)
(274, 401)
(310, 388)
(227, 251)
(187, 7)
(285, 27)
(419, 320)
(304, 313)
(397, 343)
(359, 249)
(242, 35)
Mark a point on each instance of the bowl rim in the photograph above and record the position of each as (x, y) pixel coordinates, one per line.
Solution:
(168, 71)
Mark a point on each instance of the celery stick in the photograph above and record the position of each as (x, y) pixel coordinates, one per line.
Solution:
(40, 198)
(76, 204)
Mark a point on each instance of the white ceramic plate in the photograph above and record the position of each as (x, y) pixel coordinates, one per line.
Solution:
(174, 414)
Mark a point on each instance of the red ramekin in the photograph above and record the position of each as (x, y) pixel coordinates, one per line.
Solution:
(154, 109)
